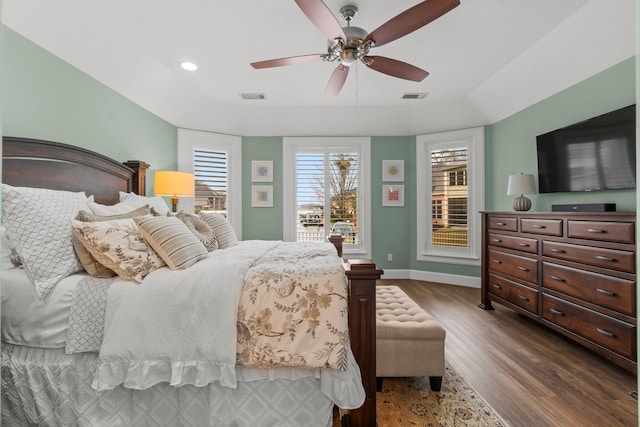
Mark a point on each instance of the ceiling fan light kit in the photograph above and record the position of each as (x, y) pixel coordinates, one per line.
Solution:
(351, 44)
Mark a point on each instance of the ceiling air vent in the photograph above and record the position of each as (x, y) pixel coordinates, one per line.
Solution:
(414, 96)
(252, 96)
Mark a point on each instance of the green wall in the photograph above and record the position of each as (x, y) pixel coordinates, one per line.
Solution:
(44, 97)
(511, 146)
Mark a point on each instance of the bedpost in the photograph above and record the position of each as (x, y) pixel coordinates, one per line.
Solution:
(362, 275)
(337, 239)
(139, 181)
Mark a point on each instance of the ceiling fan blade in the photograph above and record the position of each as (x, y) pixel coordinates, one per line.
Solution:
(291, 60)
(336, 81)
(395, 68)
(322, 18)
(410, 20)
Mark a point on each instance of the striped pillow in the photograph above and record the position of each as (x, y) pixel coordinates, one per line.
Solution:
(172, 240)
(223, 230)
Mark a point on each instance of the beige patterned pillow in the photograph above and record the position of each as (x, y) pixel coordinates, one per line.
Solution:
(91, 266)
(172, 240)
(118, 245)
(223, 230)
(202, 230)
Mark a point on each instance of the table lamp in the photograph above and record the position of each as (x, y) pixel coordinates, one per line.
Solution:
(521, 184)
(174, 184)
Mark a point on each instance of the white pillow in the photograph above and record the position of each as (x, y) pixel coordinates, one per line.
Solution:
(5, 251)
(118, 245)
(38, 222)
(225, 234)
(156, 202)
(172, 240)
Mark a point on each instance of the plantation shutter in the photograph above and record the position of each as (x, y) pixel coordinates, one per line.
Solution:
(211, 172)
(449, 192)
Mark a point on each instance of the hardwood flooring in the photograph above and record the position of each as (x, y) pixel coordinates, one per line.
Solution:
(530, 375)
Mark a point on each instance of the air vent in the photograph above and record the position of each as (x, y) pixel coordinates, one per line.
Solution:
(414, 96)
(252, 96)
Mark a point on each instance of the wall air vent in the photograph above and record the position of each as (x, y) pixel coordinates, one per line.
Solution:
(414, 96)
(253, 96)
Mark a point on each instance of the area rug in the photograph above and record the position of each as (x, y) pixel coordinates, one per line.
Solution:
(410, 402)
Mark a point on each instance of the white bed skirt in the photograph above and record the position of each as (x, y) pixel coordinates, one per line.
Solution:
(46, 387)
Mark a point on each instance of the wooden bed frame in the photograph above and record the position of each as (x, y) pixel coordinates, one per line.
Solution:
(45, 164)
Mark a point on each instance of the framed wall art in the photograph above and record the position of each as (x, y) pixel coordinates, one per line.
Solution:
(393, 195)
(262, 170)
(262, 196)
(393, 170)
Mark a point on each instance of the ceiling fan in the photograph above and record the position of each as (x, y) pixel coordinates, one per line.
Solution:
(350, 44)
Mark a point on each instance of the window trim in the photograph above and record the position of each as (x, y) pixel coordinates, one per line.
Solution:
(188, 140)
(474, 140)
(291, 145)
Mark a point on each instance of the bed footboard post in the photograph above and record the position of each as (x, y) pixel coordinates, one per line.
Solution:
(362, 275)
(139, 181)
(337, 239)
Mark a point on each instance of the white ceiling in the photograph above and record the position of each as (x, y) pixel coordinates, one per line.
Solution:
(487, 60)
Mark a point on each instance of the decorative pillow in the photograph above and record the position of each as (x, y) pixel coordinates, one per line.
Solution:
(38, 223)
(223, 230)
(90, 264)
(172, 240)
(202, 230)
(156, 202)
(118, 245)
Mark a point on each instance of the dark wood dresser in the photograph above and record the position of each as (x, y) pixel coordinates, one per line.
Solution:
(575, 272)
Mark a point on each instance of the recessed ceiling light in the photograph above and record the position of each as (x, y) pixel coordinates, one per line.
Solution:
(420, 95)
(253, 96)
(189, 66)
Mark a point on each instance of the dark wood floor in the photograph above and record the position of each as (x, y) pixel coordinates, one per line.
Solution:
(529, 374)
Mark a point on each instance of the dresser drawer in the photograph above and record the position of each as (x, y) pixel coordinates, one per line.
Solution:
(502, 223)
(622, 232)
(611, 292)
(600, 257)
(513, 265)
(598, 328)
(548, 227)
(514, 242)
(515, 293)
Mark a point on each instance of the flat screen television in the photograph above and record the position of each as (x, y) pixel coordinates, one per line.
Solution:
(596, 154)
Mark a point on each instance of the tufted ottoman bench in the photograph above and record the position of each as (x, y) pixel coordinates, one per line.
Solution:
(409, 342)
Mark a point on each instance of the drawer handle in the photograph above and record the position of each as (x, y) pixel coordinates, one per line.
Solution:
(558, 279)
(501, 223)
(556, 312)
(605, 333)
(497, 286)
(496, 240)
(605, 292)
(522, 268)
(595, 230)
(539, 226)
(522, 297)
(497, 261)
(524, 245)
(604, 258)
(558, 251)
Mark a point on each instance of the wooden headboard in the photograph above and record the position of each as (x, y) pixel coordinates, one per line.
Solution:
(45, 164)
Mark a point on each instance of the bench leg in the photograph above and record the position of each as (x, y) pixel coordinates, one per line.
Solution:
(436, 383)
(379, 383)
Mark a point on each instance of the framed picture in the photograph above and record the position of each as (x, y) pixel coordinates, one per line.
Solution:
(262, 196)
(262, 171)
(393, 170)
(393, 195)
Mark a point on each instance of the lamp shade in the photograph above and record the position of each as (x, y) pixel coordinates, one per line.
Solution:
(174, 184)
(521, 184)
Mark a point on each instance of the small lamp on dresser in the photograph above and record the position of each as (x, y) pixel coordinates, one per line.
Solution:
(174, 184)
(521, 184)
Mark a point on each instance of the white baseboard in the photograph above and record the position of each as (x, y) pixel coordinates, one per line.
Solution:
(429, 276)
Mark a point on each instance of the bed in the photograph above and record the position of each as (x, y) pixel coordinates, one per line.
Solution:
(278, 340)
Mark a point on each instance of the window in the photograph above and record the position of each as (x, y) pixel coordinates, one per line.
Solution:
(326, 191)
(216, 162)
(450, 174)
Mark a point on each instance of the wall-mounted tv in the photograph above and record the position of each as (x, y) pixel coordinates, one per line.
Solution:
(596, 154)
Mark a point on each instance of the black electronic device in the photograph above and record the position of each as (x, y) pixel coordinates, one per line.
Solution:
(585, 207)
(595, 154)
